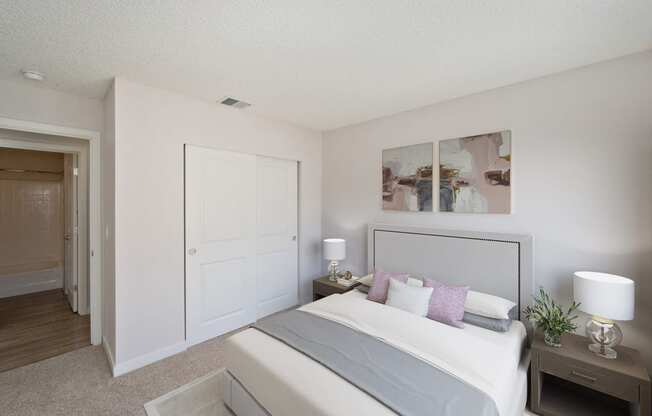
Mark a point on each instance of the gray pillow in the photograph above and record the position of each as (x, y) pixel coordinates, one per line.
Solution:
(513, 313)
(363, 288)
(492, 324)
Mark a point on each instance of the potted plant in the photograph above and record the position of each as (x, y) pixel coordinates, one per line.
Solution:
(551, 318)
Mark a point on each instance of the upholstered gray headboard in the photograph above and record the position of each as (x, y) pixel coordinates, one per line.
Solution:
(498, 264)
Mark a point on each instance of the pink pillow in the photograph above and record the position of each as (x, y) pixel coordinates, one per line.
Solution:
(380, 285)
(446, 303)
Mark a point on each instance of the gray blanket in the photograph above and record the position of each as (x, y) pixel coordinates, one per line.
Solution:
(402, 382)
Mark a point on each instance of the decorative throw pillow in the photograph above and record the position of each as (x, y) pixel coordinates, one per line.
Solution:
(380, 285)
(513, 313)
(491, 306)
(409, 298)
(414, 282)
(447, 303)
(492, 324)
(366, 280)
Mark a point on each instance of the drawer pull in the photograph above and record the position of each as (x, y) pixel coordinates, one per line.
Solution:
(584, 376)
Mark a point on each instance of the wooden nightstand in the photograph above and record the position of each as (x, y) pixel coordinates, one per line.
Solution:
(571, 380)
(323, 287)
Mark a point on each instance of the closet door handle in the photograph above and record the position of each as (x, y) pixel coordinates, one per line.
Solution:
(192, 251)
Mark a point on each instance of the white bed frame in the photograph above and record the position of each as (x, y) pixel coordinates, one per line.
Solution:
(498, 264)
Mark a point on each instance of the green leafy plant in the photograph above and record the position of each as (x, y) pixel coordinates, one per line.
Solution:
(551, 317)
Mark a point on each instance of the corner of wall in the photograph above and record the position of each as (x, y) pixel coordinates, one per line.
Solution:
(108, 223)
(109, 355)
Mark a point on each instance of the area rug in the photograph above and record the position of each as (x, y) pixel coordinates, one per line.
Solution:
(201, 397)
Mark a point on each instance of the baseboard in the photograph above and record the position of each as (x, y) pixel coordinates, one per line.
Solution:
(109, 355)
(149, 358)
(10, 289)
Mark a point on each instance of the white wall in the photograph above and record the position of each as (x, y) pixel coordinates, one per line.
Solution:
(23, 100)
(582, 174)
(108, 222)
(152, 126)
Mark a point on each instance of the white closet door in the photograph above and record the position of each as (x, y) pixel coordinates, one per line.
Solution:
(276, 236)
(220, 242)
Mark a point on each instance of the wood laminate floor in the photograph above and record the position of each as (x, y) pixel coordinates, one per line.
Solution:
(37, 326)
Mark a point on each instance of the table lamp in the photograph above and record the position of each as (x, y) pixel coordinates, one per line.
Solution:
(607, 298)
(334, 250)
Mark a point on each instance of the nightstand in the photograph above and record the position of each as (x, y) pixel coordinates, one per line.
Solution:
(571, 380)
(323, 287)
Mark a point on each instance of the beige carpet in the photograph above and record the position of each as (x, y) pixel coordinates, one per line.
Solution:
(80, 382)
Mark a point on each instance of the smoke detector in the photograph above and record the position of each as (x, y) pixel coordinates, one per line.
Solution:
(234, 102)
(33, 75)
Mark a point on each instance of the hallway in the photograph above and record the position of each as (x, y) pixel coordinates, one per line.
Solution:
(37, 326)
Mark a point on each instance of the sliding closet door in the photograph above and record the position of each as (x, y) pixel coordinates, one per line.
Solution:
(220, 242)
(276, 242)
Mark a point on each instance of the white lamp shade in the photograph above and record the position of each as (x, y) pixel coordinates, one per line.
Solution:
(604, 295)
(334, 249)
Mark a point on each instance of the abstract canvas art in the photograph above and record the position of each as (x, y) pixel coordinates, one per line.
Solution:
(407, 178)
(475, 174)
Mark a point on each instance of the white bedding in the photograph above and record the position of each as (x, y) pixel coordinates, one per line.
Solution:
(286, 382)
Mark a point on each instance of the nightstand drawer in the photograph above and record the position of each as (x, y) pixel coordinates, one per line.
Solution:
(323, 287)
(325, 290)
(589, 376)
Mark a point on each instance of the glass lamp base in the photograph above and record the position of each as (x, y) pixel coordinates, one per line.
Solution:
(605, 335)
(604, 352)
(332, 271)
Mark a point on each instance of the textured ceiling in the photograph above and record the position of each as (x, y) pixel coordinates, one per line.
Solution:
(321, 64)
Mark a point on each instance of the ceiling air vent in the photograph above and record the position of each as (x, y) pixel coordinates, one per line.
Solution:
(232, 102)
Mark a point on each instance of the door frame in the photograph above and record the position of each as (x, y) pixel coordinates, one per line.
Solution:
(74, 227)
(94, 252)
(185, 223)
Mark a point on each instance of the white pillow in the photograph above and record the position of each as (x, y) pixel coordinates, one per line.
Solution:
(369, 279)
(409, 298)
(366, 280)
(491, 306)
(414, 282)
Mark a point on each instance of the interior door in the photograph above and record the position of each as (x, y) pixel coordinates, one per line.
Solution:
(276, 236)
(70, 229)
(220, 242)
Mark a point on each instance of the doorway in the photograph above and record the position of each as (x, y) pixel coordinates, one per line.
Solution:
(41, 269)
(241, 239)
(20, 134)
(17, 134)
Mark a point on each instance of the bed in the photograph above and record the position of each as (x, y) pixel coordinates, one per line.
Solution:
(267, 376)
